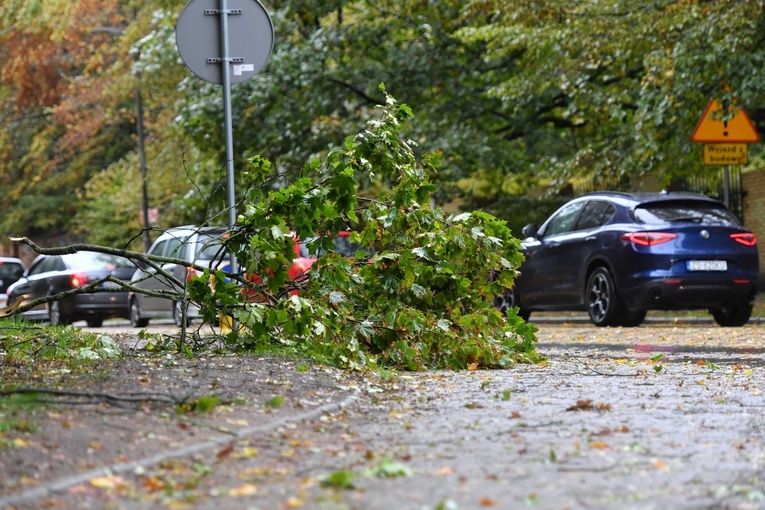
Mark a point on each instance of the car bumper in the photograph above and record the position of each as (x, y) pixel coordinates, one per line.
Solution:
(105, 305)
(687, 293)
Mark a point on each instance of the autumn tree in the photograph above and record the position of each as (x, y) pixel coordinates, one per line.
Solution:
(512, 93)
(65, 123)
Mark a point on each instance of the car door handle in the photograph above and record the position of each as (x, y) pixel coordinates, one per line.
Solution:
(554, 244)
(590, 239)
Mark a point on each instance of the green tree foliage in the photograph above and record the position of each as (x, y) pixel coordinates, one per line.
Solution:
(510, 92)
(623, 83)
(423, 300)
(69, 74)
(321, 82)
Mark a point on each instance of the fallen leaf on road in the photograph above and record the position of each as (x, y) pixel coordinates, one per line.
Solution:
(247, 489)
(247, 453)
(225, 452)
(581, 405)
(587, 405)
(107, 482)
(153, 484)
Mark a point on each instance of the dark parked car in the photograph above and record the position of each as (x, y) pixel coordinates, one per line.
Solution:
(617, 255)
(53, 274)
(11, 270)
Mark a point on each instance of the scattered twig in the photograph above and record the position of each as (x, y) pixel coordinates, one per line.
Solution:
(134, 400)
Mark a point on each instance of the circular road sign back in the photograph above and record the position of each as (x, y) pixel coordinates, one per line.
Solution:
(250, 38)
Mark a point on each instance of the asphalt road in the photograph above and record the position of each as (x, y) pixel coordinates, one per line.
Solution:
(667, 415)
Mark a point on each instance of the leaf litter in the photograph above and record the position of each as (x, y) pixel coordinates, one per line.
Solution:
(596, 427)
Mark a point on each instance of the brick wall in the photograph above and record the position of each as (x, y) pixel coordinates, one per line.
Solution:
(24, 252)
(753, 185)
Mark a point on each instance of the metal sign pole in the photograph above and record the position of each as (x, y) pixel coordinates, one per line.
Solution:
(246, 31)
(227, 116)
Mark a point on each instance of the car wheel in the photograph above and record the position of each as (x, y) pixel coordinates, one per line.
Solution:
(178, 314)
(600, 297)
(632, 318)
(95, 323)
(135, 316)
(509, 300)
(55, 316)
(732, 316)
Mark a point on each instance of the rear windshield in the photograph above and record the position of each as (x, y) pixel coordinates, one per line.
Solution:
(343, 246)
(211, 247)
(92, 259)
(662, 213)
(10, 269)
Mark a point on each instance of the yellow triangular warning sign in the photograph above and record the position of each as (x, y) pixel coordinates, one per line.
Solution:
(738, 129)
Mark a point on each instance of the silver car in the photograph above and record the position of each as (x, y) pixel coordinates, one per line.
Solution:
(201, 246)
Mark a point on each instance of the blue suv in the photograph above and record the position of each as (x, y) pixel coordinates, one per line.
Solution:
(617, 255)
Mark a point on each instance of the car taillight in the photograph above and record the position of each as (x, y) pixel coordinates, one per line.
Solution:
(191, 273)
(648, 238)
(78, 280)
(745, 239)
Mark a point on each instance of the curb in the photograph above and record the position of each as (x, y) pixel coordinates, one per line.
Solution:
(562, 319)
(61, 484)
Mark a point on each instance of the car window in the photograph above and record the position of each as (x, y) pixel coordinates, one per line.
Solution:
(158, 248)
(563, 221)
(35, 267)
(10, 270)
(346, 248)
(54, 264)
(595, 214)
(50, 264)
(174, 247)
(663, 213)
(342, 245)
(210, 248)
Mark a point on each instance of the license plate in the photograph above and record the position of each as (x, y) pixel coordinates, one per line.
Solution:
(707, 265)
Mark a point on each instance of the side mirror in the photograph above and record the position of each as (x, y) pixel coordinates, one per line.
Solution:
(529, 230)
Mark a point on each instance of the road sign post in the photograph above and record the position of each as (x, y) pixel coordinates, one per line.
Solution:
(725, 132)
(225, 42)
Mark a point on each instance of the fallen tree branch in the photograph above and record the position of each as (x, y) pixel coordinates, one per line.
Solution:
(132, 400)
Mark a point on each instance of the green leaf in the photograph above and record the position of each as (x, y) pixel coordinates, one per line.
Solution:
(275, 402)
(388, 468)
(206, 404)
(339, 480)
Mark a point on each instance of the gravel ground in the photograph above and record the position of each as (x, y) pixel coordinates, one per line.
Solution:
(668, 415)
